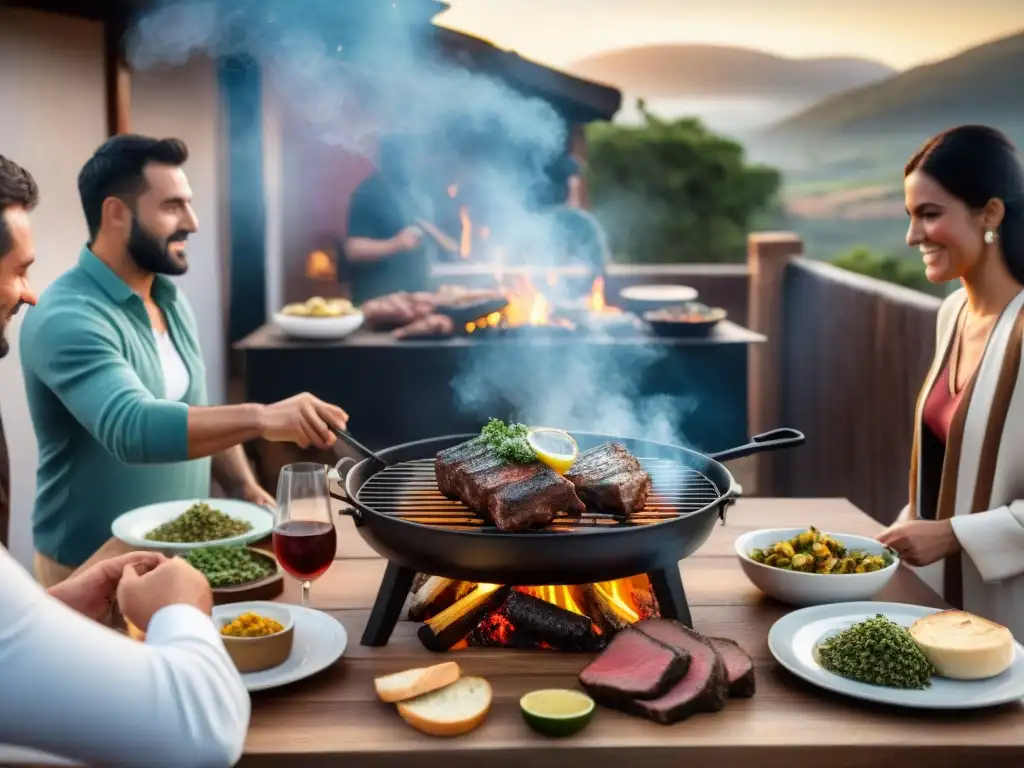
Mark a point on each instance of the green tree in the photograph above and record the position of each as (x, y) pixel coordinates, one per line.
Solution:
(673, 191)
(893, 269)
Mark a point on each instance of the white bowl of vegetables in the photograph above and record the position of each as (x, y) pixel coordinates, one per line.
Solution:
(805, 566)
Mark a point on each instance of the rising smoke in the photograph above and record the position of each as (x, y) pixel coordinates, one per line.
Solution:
(331, 79)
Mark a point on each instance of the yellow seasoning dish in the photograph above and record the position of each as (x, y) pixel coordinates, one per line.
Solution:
(554, 447)
(251, 625)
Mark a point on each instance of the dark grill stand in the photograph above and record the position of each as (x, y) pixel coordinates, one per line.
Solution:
(394, 589)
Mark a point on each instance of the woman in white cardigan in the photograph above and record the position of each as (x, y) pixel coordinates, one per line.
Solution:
(964, 525)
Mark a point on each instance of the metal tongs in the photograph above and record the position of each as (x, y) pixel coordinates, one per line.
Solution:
(346, 437)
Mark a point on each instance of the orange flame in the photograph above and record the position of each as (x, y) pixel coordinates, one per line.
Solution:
(597, 302)
(320, 266)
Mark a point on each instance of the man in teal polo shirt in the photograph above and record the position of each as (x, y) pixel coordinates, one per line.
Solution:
(114, 374)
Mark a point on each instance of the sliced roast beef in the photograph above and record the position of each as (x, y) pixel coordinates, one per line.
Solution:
(704, 688)
(609, 479)
(739, 667)
(634, 666)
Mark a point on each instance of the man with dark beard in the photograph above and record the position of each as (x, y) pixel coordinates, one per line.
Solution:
(114, 374)
(177, 698)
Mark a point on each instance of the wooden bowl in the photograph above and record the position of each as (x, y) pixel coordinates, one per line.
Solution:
(266, 588)
(254, 654)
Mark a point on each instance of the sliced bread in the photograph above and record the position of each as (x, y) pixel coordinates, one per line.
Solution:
(411, 683)
(450, 711)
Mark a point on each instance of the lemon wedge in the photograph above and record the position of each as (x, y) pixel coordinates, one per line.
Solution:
(554, 447)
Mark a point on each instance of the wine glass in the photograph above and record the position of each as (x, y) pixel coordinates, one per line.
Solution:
(305, 540)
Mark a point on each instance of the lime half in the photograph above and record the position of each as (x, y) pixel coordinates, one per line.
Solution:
(554, 447)
(557, 711)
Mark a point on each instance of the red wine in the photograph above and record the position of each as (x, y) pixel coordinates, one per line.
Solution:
(305, 548)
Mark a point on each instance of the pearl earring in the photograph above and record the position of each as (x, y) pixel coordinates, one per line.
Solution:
(990, 236)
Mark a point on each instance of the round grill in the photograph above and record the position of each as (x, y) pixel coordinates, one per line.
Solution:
(408, 490)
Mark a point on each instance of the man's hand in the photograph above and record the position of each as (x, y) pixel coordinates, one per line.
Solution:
(921, 542)
(408, 239)
(172, 582)
(255, 494)
(304, 420)
(93, 590)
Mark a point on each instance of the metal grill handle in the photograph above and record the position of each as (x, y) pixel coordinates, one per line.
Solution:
(352, 509)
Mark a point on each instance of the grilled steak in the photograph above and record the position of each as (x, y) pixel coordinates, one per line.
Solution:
(532, 501)
(705, 687)
(448, 462)
(739, 667)
(633, 666)
(513, 497)
(610, 479)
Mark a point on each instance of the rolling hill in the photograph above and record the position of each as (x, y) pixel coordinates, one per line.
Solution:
(726, 72)
(980, 85)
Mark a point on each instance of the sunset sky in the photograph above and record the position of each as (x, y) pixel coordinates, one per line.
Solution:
(901, 33)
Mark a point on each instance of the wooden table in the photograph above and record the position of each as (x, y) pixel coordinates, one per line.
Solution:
(334, 718)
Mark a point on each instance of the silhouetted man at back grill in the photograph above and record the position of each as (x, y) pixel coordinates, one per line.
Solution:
(386, 251)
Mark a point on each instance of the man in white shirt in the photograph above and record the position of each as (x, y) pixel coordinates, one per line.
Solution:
(75, 688)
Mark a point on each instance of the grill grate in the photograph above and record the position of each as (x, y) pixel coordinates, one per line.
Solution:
(409, 490)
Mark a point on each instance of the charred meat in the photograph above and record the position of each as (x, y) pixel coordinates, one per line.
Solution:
(514, 497)
(426, 327)
(610, 479)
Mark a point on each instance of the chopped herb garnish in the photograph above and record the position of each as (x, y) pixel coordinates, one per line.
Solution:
(877, 651)
(509, 441)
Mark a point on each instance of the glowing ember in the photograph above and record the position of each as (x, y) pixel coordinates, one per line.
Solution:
(553, 617)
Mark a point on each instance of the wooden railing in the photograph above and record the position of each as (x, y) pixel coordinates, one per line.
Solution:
(850, 358)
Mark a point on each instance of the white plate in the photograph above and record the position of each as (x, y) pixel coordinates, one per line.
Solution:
(659, 294)
(792, 640)
(320, 640)
(319, 327)
(132, 527)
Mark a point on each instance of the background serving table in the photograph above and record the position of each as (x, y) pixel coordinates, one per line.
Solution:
(399, 391)
(334, 718)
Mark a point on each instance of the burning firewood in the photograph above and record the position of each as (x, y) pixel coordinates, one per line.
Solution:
(524, 621)
(608, 613)
(451, 625)
(418, 581)
(463, 589)
(427, 600)
(647, 603)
